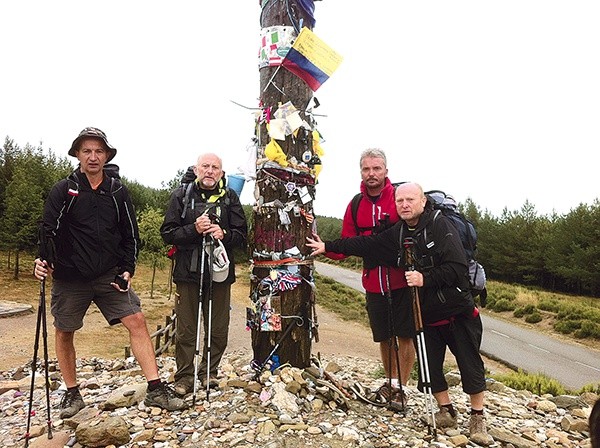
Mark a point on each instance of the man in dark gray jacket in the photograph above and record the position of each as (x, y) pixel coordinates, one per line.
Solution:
(90, 223)
(203, 214)
(450, 317)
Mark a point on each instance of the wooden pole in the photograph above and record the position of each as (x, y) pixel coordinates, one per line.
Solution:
(289, 191)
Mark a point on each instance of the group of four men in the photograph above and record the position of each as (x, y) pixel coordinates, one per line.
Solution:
(96, 242)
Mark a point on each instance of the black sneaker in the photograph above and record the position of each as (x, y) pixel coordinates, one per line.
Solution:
(71, 404)
(164, 397)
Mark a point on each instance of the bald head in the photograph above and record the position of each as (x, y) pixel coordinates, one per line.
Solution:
(208, 170)
(410, 202)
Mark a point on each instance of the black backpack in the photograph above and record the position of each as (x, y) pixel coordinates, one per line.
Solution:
(187, 183)
(116, 188)
(354, 210)
(446, 205)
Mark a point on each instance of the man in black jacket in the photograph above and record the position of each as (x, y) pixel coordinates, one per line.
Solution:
(448, 310)
(202, 215)
(91, 224)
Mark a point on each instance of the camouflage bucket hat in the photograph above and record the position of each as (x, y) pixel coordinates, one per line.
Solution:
(92, 132)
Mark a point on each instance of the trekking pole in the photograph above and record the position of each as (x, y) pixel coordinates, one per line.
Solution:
(258, 368)
(420, 336)
(393, 344)
(200, 300)
(210, 294)
(41, 322)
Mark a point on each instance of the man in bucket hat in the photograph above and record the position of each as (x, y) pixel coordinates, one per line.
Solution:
(95, 256)
(209, 213)
(93, 133)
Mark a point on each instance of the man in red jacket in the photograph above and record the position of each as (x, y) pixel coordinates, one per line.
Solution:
(388, 300)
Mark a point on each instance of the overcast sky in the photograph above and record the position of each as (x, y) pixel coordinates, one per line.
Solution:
(496, 101)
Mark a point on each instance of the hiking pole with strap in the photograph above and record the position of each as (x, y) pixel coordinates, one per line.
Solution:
(41, 322)
(200, 300)
(47, 254)
(408, 244)
(210, 294)
(393, 344)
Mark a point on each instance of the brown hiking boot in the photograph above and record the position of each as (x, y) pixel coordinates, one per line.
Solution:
(213, 382)
(71, 404)
(443, 419)
(477, 431)
(183, 386)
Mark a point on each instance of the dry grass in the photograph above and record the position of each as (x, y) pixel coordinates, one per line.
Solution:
(97, 338)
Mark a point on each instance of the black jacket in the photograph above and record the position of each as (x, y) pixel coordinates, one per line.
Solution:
(181, 231)
(93, 230)
(439, 255)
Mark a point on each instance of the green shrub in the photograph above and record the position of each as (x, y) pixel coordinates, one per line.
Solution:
(503, 305)
(536, 383)
(551, 305)
(588, 329)
(533, 318)
(519, 312)
(525, 310)
(567, 326)
(595, 388)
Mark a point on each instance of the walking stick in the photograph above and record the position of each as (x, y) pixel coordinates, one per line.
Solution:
(41, 322)
(420, 335)
(210, 294)
(393, 344)
(200, 300)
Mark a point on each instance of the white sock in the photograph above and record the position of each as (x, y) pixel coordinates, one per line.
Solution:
(395, 382)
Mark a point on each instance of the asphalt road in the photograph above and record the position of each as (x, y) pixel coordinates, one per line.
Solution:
(572, 364)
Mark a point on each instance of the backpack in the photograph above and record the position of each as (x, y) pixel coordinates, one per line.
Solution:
(116, 186)
(354, 210)
(446, 205)
(187, 183)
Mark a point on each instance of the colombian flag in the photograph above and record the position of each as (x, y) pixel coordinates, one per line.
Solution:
(311, 59)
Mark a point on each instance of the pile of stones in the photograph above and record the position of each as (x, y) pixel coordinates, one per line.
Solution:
(288, 407)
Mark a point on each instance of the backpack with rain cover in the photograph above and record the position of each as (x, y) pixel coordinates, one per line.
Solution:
(447, 206)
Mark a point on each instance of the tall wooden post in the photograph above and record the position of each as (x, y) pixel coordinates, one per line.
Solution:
(283, 212)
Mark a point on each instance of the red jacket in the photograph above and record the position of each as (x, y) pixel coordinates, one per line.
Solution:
(369, 215)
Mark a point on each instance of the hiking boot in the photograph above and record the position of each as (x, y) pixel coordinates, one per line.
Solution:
(183, 386)
(213, 382)
(477, 431)
(164, 397)
(443, 419)
(71, 404)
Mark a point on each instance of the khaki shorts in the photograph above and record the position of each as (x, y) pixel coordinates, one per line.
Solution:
(71, 300)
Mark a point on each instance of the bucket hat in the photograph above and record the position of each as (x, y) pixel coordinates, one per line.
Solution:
(96, 133)
(220, 267)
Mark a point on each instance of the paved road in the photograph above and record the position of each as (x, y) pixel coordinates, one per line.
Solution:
(572, 364)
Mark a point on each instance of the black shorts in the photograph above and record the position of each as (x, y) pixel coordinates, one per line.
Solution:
(463, 337)
(401, 318)
(71, 300)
